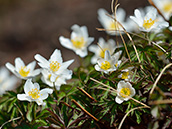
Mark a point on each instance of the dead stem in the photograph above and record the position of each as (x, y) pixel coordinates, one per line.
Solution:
(154, 85)
(83, 91)
(122, 121)
(10, 121)
(115, 91)
(157, 102)
(160, 47)
(78, 105)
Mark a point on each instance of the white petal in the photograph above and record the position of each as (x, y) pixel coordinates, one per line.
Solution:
(107, 55)
(44, 93)
(31, 65)
(10, 67)
(90, 40)
(23, 97)
(35, 72)
(118, 100)
(44, 63)
(19, 63)
(84, 32)
(56, 56)
(28, 86)
(82, 53)
(65, 42)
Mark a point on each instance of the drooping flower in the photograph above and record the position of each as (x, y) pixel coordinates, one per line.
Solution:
(109, 63)
(79, 40)
(100, 49)
(59, 79)
(125, 90)
(126, 74)
(33, 93)
(55, 64)
(110, 24)
(7, 82)
(23, 71)
(165, 6)
(149, 22)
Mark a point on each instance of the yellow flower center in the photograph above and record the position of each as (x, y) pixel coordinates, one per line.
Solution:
(54, 66)
(106, 65)
(78, 42)
(125, 75)
(102, 52)
(114, 26)
(167, 7)
(125, 92)
(24, 71)
(35, 93)
(148, 23)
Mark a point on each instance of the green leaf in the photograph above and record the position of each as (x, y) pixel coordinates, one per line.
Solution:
(138, 117)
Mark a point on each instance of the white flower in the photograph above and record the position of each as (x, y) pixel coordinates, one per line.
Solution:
(7, 82)
(55, 64)
(125, 90)
(108, 63)
(23, 71)
(165, 6)
(110, 24)
(100, 49)
(33, 93)
(126, 74)
(58, 81)
(79, 40)
(150, 21)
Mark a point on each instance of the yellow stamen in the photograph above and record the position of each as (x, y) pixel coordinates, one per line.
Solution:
(54, 66)
(35, 93)
(125, 75)
(24, 71)
(78, 42)
(114, 26)
(102, 52)
(167, 7)
(125, 92)
(148, 23)
(106, 65)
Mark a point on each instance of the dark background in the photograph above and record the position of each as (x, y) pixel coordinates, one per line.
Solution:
(28, 27)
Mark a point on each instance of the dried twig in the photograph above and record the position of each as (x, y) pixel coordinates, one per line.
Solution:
(154, 85)
(78, 105)
(122, 121)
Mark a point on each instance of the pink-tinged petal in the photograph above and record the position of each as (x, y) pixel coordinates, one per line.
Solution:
(23, 97)
(118, 100)
(19, 63)
(56, 56)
